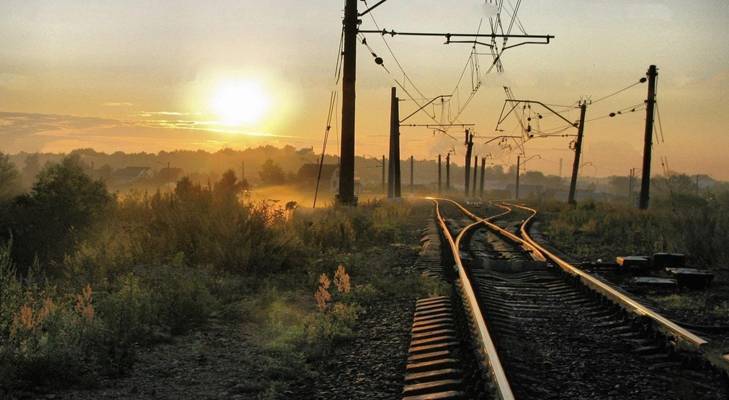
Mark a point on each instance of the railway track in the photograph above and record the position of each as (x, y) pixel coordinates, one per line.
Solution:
(544, 329)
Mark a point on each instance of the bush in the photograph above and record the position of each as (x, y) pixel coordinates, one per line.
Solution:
(51, 340)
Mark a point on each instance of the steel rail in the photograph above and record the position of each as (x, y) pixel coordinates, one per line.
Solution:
(535, 253)
(605, 289)
(490, 355)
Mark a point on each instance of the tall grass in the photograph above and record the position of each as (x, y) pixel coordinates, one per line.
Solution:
(688, 224)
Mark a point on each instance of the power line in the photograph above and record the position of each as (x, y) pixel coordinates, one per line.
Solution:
(332, 100)
(642, 80)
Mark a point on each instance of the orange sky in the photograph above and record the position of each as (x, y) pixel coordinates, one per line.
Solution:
(135, 76)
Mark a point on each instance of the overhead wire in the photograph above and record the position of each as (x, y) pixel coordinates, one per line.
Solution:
(399, 65)
(333, 102)
(618, 92)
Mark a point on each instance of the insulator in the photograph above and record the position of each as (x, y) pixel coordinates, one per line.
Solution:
(379, 61)
(642, 80)
(612, 114)
(529, 119)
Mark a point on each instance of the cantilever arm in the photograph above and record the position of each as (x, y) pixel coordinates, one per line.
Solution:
(423, 106)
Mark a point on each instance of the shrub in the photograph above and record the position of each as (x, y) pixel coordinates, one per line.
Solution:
(51, 340)
(180, 297)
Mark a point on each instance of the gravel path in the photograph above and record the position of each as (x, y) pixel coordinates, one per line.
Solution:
(373, 365)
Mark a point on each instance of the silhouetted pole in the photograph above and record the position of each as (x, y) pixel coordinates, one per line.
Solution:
(483, 176)
(469, 149)
(440, 187)
(349, 76)
(518, 166)
(645, 184)
(578, 153)
(412, 173)
(698, 187)
(475, 174)
(384, 189)
(393, 190)
(448, 172)
(630, 185)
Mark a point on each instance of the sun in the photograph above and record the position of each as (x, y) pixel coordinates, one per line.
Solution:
(240, 102)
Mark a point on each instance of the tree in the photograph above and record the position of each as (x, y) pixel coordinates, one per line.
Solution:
(9, 179)
(57, 214)
(272, 174)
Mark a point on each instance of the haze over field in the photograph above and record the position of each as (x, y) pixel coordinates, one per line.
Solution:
(135, 76)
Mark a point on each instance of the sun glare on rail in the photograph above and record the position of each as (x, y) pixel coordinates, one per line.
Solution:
(243, 102)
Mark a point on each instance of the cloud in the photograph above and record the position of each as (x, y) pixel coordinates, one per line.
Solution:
(61, 133)
(118, 104)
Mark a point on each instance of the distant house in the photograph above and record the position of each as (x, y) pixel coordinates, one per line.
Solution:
(308, 172)
(169, 174)
(131, 175)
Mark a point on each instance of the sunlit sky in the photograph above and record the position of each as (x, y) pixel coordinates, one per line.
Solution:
(147, 76)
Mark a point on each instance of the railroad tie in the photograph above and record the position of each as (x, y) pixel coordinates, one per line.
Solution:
(432, 367)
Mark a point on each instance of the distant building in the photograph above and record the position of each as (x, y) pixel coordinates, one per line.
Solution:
(169, 174)
(308, 172)
(129, 175)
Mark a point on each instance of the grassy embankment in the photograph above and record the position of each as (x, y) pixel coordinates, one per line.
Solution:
(689, 224)
(148, 268)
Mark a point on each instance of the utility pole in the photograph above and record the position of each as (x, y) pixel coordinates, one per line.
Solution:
(483, 175)
(412, 174)
(394, 170)
(469, 149)
(384, 189)
(475, 174)
(698, 187)
(578, 152)
(349, 77)
(630, 185)
(518, 166)
(448, 172)
(440, 187)
(645, 184)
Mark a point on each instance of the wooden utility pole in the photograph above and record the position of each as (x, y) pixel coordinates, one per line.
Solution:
(561, 162)
(483, 176)
(349, 75)
(384, 189)
(475, 174)
(412, 174)
(518, 166)
(393, 190)
(448, 172)
(645, 183)
(630, 185)
(469, 149)
(578, 153)
(440, 187)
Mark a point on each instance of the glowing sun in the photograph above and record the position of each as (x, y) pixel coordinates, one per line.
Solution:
(240, 102)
